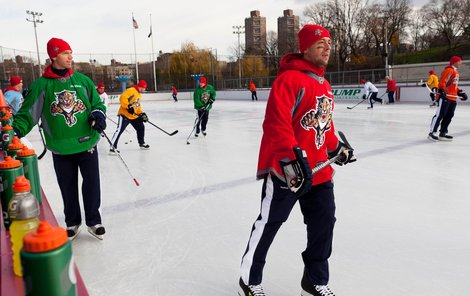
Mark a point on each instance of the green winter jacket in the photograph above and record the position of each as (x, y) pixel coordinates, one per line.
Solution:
(202, 95)
(64, 105)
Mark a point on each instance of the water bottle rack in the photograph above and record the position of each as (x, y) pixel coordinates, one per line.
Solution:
(12, 285)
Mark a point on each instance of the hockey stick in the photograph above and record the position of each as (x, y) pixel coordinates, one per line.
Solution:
(333, 159)
(120, 157)
(43, 143)
(293, 173)
(172, 134)
(196, 123)
(356, 104)
(382, 95)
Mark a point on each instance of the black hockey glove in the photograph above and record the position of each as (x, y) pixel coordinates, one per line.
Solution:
(210, 101)
(442, 94)
(297, 172)
(144, 117)
(363, 97)
(463, 96)
(131, 110)
(97, 120)
(344, 151)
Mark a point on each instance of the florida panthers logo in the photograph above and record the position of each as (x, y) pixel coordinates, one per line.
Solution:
(319, 119)
(67, 105)
(205, 97)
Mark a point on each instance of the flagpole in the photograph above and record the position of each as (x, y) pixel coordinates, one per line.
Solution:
(153, 57)
(135, 49)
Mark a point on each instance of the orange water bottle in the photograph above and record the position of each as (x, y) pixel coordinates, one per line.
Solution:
(23, 210)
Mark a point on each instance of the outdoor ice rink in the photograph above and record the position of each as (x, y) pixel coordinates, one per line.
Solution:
(403, 209)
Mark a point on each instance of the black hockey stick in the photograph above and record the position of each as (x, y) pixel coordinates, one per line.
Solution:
(43, 143)
(294, 170)
(170, 134)
(120, 157)
(334, 158)
(196, 123)
(356, 104)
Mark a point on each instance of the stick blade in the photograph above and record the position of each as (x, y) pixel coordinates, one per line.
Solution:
(136, 182)
(174, 133)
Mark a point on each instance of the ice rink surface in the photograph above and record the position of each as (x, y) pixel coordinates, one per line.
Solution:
(403, 209)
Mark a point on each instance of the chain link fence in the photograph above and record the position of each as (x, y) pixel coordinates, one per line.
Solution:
(108, 68)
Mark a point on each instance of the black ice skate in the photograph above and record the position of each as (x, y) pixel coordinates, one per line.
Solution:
(97, 231)
(113, 151)
(144, 146)
(309, 289)
(251, 290)
(73, 231)
(445, 137)
(433, 137)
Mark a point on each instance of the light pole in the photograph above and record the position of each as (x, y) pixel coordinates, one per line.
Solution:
(35, 21)
(238, 31)
(213, 68)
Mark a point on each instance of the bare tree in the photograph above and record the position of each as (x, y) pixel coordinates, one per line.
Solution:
(449, 19)
(417, 30)
(272, 52)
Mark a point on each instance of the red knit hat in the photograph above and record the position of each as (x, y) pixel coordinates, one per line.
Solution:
(432, 72)
(101, 85)
(363, 81)
(203, 80)
(142, 83)
(56, 46)
(15, 80)
(454, 60)
(309, 34)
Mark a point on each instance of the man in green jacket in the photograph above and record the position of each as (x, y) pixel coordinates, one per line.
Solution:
(73, 117)
(204, 96)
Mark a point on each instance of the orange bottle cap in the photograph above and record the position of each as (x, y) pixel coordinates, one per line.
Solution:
(9, 163)
(25, 151)
(15, 144)
(3, 102)
(46, 238)
(7, 128)
(21, 184)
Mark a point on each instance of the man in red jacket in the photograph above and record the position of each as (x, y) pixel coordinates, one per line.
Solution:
(298, 134)
(391, 88)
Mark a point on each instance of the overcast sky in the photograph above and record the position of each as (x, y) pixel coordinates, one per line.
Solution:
(105, 26)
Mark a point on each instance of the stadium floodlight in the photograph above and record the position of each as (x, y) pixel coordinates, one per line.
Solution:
(35, 15)
(238, 31)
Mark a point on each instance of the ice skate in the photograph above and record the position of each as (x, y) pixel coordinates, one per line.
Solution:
(97, 231)
(113, 151)
(309, 289)
(73, 231)
(445, 137)
(251, 290)
(144, 146)
(433, 137)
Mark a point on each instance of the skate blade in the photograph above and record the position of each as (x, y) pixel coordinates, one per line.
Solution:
(100, 237)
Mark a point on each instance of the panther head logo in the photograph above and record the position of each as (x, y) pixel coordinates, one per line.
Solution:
(319, 119)
(67, 105)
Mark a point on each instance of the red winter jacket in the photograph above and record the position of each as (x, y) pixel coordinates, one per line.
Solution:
(298, 113)
(391, 85)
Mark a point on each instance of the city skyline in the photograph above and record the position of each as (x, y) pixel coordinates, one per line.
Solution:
(111, 30)
(105, 27)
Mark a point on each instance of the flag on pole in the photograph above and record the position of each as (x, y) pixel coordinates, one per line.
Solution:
(134, 23)
(150, 34)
